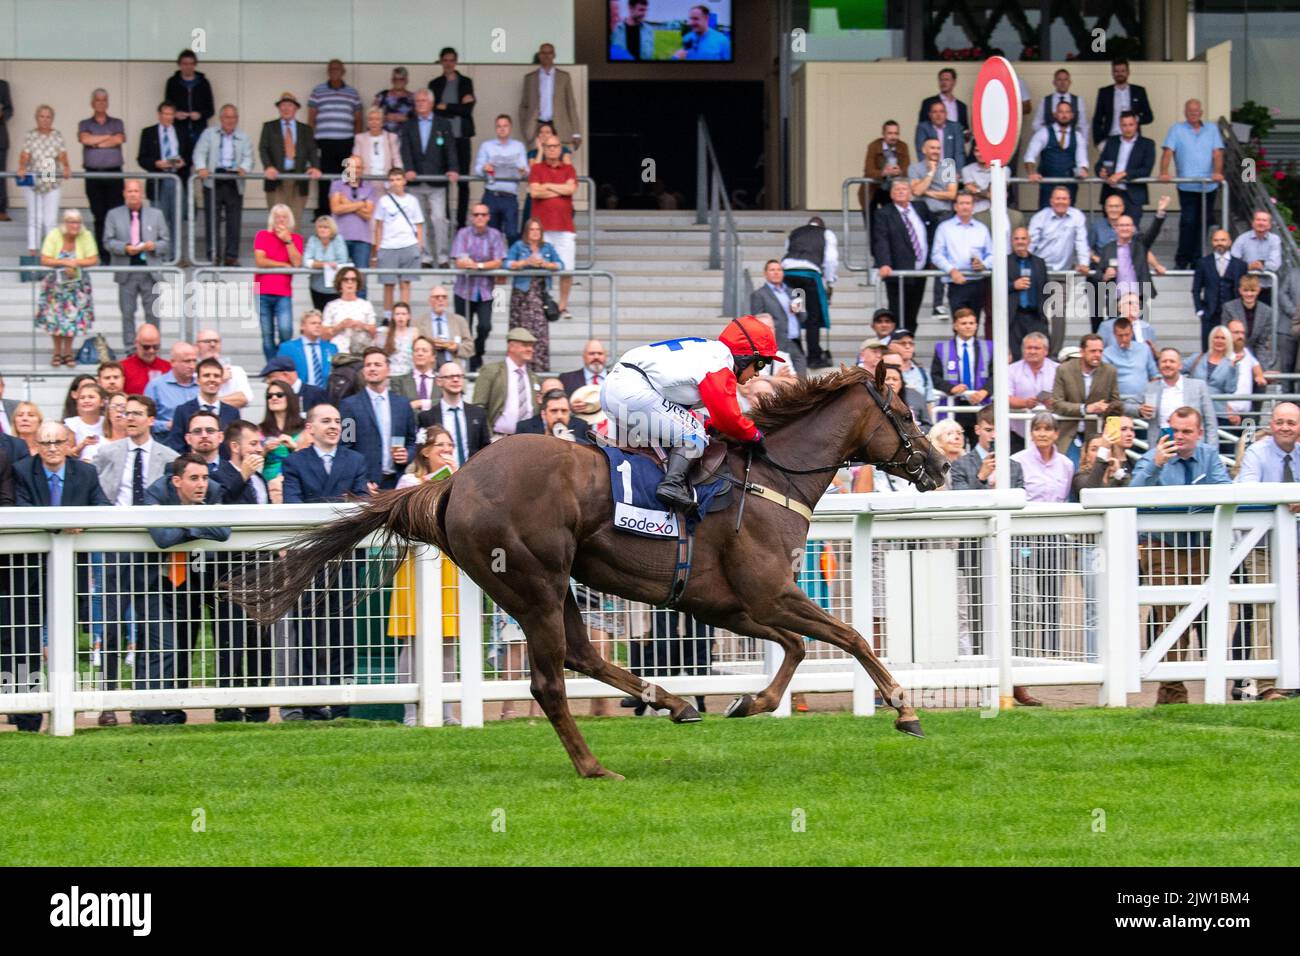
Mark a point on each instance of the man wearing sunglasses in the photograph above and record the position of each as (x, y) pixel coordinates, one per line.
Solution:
(650, 392)
(146, 363)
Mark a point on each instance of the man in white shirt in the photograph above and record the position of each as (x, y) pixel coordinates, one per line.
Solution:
(399, 237)
(1173, 391)
(1058, 234)
(1261, 249)
(235, 390)
(1249, 372)
(1046, 112)
(961, 244)
(1063, 151)
(503, 161)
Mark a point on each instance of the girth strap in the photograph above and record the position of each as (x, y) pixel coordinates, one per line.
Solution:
(785, 501)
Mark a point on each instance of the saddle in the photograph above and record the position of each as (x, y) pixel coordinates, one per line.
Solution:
(712, 464)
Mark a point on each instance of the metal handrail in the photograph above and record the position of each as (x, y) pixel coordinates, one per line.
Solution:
(176, 201)
(218, 271)
(708, 180)
(846, 258)
(1255, 195)
(191, 209)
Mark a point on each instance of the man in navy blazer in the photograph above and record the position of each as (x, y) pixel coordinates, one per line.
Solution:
(326, 471)
(303, 351)
(77, 482)
(1104, 120)
(947, 80)
(1212, 288)
(209, 374)
(950, 133)
(1138, 163)
(382, 425)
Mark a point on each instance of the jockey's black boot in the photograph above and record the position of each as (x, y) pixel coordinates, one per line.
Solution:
(673, 490)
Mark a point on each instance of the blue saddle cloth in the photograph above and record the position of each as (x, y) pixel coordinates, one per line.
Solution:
(633, 479)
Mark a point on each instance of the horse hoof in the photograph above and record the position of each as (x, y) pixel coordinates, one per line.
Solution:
(604, 774)
(688, 716)
(740, 707)
(912, 727)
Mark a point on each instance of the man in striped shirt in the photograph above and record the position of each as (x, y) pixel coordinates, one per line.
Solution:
(334, 112)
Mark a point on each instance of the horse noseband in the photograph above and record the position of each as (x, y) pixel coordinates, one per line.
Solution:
(914, 462)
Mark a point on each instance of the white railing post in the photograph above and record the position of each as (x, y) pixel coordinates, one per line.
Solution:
(61, 621)
(1286, 613)
(864, 698)
(1117, 610)
(1216, 625)
(471, 652)
(1000, 525)
(428, 650)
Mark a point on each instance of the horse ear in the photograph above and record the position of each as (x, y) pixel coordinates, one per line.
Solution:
(880, 377)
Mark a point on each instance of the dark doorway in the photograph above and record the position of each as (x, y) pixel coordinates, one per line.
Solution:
(633, 122)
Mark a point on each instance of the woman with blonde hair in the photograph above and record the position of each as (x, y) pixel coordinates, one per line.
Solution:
(276, 247)
(27, 420)
(435, 460)
(326, 252)
(67, 304)
(947, 436)
(377, 147)
(43, 157)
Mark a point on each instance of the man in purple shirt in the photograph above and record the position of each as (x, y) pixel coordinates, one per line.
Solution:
(1028, 381)
(477, 247)
(352, 204)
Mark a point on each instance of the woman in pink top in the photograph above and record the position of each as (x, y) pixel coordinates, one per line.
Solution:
(377, 147)
(276, 247)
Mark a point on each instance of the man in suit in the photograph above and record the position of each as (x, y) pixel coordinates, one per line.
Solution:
(962, 367)
(594, 365)
(1046, 112)
(7, 408)
(1084, 386)
(555, 417)
(955, 108)
(548, 97)
(209, 374)
(938, 125)
(310, 353)
(288, 146)
(1124, 158)
(6, 113)
(126, 469)
(1258, 317)
(52, 478)
(448, 331)
(140, 234)
(180, 584)
(1124, 266)
(1027, 293)
(161, 151)
(898, 241)
(785, 306)
(468, 424)
(886, 158)
(453, 98)
(974, 470)
(428, 150)
(1172, 391)
(1058, 151)
(223, 149)
(1215, 282)
(281, 369)
(1120, 97)
(506, 388)
(327, 471)
(205, 438)
(383, 425)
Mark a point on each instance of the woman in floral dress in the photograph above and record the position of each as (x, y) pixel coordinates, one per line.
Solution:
(66, 307)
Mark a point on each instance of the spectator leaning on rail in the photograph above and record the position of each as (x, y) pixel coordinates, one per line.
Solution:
(223, 148)
(507, 158)
(161, 152)
(1059, 234)
(178, 584)
(477, 247)
(1177, 558)
(1063, 152)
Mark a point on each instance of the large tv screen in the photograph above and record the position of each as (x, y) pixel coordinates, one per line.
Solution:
(670, 31)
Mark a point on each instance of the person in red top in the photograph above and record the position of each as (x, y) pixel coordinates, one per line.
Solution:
(648, 395)
(144, 364)
(552, 184)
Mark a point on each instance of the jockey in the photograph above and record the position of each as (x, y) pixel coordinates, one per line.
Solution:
(648, 393)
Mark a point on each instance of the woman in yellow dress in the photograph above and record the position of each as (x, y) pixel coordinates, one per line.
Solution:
(434, 460)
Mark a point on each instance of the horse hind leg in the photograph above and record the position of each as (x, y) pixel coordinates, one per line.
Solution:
(769, 698)
(545, 633)
(582, 657)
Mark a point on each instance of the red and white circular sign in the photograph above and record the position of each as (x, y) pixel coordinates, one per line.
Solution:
(997, 110)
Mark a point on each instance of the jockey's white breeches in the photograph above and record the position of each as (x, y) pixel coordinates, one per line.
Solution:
(640, 417)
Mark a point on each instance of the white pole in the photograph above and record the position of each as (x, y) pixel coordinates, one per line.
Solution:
(1002, 427)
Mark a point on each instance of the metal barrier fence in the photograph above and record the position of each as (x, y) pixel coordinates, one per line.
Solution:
(166, 306)
(178, 189)
(214, 305)
(1103, 595)
(1089, 208)
(191, 213)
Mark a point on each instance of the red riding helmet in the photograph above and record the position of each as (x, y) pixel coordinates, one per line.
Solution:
(748, 336)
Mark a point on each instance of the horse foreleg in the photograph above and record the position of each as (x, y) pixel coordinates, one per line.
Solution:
(795, 611)
(545, 633)
(582, 657)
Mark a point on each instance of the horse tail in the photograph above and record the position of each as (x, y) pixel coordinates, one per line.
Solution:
(268, 590)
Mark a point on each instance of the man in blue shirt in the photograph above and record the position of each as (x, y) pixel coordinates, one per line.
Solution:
(173, 388)
(963, 244)
(1134, 362)
(1198, 149)
(1179, 557)
(702, 42)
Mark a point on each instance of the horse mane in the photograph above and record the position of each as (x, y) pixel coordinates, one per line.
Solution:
(791, 403)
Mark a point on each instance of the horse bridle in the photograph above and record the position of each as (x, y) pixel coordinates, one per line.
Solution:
(914, 459)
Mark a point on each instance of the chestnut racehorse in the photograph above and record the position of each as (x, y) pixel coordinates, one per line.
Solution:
(545, 507)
